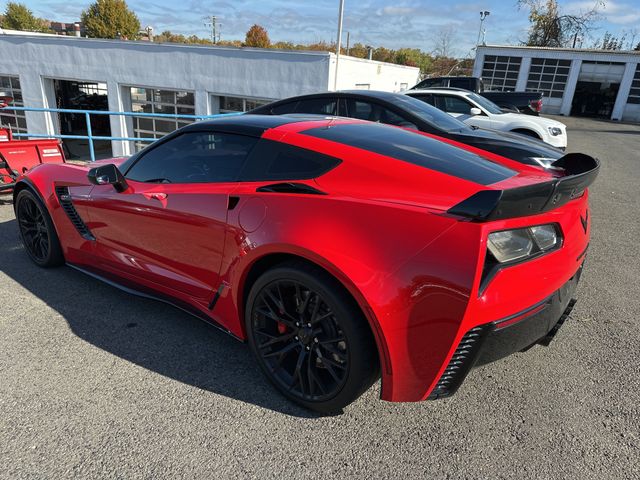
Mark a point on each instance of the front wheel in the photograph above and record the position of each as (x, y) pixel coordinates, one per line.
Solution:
(38, 234)
(310, 338)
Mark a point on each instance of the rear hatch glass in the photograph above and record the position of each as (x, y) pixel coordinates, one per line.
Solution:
(417, 149)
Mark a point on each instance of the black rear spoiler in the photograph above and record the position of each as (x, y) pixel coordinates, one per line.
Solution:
(580, 169)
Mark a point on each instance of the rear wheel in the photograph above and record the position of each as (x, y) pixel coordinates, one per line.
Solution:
(310, 338)
(37, 231)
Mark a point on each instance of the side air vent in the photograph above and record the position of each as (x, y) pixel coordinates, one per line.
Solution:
(461, 362)
(290, 187)
(67, 205)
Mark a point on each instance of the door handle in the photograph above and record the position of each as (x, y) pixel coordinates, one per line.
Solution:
(158, 196)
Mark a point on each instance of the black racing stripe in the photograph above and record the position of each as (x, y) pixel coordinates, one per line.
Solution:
(417, 149)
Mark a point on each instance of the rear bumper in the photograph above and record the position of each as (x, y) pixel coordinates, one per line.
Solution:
(493, 341)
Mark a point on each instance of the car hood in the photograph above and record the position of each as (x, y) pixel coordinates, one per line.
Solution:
(542, 121)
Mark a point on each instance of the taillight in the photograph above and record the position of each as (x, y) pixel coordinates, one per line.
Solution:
(536, 105)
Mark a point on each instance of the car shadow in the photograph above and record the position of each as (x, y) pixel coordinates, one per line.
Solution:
(620, 131)
(147, 333)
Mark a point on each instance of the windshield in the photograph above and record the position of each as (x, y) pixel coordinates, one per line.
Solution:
(485, 103)
(430, 114)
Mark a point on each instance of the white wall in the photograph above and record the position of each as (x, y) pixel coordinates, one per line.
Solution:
(203, 70)
(631, 112)
(388, 77)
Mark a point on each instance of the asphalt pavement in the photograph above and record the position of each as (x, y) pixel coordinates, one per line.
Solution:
(95, 383)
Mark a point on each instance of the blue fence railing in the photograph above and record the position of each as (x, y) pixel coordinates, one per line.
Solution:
(90, 137)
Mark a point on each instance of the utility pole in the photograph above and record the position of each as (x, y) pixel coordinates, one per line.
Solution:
(340, 14)
(483, 15)
(212, 23)
(348, 35)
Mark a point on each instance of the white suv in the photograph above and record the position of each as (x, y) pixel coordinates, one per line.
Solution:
(477, 111)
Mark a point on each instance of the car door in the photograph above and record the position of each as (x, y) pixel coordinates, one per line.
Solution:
(169, 227)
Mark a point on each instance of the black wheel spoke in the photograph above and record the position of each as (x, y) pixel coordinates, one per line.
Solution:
(297, 372)
(301, 301)
(274, 340)
(327, 365)
(331, 340)
(282, 351)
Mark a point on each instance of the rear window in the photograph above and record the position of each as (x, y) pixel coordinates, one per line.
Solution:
(417, 149)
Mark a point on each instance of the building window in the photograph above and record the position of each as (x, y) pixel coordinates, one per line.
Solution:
(549, 76)
(10, 118)
(634, 93)
(240, 104)
(151, 100)
(500, 73)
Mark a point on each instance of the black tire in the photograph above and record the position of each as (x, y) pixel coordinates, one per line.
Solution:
(38, 234)
(323, 367)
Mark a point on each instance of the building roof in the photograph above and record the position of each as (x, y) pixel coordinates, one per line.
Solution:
(568, 50)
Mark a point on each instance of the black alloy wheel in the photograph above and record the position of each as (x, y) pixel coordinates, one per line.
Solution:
(310, 339)
(36, 229)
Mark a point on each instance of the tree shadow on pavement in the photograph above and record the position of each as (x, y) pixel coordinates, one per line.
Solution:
(147, 333)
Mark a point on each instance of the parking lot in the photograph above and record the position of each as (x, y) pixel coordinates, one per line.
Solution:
(97, 383)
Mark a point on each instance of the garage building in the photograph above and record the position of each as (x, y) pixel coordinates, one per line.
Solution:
(53, 71)
(594, 83)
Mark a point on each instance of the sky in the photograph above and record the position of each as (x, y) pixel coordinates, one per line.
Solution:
(414, 24)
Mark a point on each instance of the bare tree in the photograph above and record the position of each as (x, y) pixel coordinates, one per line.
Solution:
(552, 28)
(443, 41)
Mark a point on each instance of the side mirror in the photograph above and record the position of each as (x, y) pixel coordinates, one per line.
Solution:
(108, 175)
(475, 111)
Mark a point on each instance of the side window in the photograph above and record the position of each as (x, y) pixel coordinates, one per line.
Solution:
(285, 108)
(320, 106)
(392, 118)
(376, 113)
(431, 82)
(272, 160)
(362, 110)
(194, 157)
(466, 83)
(453, 104)
(425, 98)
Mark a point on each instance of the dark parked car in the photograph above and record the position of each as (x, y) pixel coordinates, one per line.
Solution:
(519, 102)
(405, 111)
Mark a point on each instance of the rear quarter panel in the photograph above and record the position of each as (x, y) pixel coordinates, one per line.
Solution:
(409, 275)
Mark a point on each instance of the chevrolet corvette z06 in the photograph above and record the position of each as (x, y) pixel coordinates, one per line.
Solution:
(341, 250)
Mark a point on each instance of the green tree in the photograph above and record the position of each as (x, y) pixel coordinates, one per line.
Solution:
(258, 37)
(552, 28)
(18, 17)
(110, 19)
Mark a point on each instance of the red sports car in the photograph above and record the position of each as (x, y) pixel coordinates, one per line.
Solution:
(341, 250)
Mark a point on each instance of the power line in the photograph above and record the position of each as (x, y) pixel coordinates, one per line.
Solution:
(212, 23)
